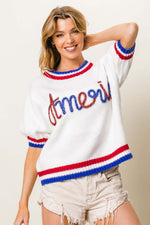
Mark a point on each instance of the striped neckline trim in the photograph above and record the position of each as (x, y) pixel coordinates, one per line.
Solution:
(57, 75)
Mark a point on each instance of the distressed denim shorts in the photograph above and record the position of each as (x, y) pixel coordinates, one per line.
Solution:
(87, 199)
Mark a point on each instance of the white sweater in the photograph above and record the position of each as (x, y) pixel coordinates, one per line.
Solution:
(75, 116)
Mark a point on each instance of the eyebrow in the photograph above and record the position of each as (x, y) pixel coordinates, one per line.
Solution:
(61, 31)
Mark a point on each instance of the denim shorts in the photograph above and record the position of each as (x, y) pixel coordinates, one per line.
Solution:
(86, 199)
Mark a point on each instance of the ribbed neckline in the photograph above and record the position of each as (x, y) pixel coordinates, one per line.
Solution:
(61, 75)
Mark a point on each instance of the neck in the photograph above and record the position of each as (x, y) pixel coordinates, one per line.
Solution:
(70, 64)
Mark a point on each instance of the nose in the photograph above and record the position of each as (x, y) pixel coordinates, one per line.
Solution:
(69, 39)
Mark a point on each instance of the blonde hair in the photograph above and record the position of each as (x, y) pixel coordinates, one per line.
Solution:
(50, 57)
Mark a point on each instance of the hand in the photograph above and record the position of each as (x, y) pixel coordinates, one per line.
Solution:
(22, 216)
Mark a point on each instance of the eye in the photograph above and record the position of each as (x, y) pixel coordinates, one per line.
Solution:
(75, 31)
(59, 35)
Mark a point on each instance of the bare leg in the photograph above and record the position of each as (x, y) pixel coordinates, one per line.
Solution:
(125, 216)
(51, 218)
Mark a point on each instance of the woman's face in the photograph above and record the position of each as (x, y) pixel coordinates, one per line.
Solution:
(68, 40)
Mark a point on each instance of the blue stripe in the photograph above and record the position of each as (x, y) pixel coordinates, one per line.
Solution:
(124, 50)
(70, 71)
(36, 145)
(88, 172)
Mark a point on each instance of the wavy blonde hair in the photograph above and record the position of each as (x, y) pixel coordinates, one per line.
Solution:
(50, 57)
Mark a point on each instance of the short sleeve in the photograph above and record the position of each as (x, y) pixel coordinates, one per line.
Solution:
(33, 124)
(120, 60)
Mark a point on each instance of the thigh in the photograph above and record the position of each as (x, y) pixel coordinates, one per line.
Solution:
(124, 215)
(51, 218)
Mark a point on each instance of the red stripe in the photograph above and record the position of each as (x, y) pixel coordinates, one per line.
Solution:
(84, 164)
(122, 56)
(69, 76)
(37, 140)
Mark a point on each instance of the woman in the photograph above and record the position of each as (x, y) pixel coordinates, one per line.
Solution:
(73, 122)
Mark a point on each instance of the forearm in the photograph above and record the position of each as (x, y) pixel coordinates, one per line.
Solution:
(30, 175)
(126, 33)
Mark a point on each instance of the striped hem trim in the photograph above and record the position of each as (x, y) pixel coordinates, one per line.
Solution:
(86, 173)
(68, 74)
(85, 168)
(37, 143)
(123, 53)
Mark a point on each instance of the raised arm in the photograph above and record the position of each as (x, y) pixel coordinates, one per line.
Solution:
(29, 179)
(126, 33)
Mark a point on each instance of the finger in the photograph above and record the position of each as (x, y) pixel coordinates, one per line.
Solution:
(26, 221)
(18, 222)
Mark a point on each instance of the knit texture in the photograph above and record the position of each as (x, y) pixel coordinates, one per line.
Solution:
(75, 116)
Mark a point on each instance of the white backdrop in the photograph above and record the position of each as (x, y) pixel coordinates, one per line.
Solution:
(20, 27)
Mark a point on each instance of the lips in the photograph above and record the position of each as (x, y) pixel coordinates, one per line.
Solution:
(71, 48)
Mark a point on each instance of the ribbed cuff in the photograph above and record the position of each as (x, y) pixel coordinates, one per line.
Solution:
(122, 52)
(37, 143)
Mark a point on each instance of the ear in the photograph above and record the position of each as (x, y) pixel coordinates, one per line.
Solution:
(52, 42)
